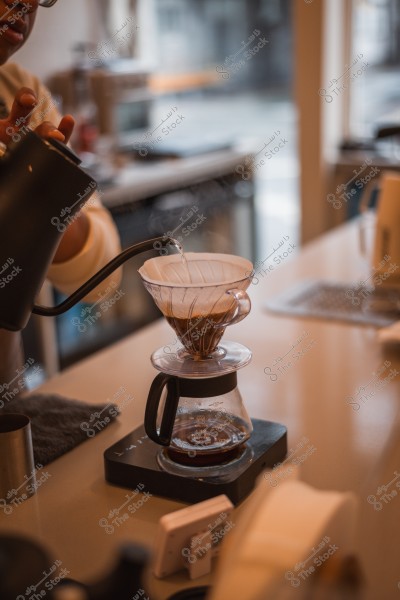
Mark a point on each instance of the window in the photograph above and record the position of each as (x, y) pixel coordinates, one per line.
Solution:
(375, 95)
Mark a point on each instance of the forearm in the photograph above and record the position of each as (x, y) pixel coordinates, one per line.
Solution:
(73, 239)
(101, 246)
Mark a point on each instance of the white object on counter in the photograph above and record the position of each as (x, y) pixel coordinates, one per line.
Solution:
(387, 238)
(282, 537)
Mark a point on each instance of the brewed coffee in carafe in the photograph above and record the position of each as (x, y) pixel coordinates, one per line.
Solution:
(218, 437)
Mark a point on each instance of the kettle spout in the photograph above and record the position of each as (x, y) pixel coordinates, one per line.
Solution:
(153, 244)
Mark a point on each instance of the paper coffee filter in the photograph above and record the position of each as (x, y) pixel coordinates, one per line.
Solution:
(204, 269)
(203, 292)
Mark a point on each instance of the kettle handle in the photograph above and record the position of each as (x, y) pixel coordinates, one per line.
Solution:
(95, 280)
(171, 405)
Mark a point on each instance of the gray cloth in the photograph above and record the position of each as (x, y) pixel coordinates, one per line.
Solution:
(59, 424)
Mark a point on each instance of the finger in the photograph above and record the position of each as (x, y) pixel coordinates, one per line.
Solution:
(48, 130)
(66, 126)
(24, 103)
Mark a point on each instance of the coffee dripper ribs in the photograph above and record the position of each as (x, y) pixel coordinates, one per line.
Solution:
(199, 297)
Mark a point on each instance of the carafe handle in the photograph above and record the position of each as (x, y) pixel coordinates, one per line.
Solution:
(171, 405)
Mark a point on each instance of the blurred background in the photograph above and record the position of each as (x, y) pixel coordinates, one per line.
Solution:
(251, 114)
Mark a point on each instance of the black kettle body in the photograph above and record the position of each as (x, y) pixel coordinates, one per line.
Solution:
(42, 189)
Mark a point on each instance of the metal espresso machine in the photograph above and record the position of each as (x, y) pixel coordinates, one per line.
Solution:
(197, 440)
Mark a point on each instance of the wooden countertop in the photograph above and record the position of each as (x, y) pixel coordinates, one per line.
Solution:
(356, 450)
(142, 179)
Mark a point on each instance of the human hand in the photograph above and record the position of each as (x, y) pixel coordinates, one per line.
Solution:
(16, 124)
(14, 127)
(62, 133)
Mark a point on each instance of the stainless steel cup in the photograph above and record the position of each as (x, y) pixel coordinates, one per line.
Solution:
(17, 470)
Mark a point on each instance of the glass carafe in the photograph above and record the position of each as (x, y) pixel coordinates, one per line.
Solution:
(204, 421)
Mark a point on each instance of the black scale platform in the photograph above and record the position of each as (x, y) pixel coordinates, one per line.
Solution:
(133, 460)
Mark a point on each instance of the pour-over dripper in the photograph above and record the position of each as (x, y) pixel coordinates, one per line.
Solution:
(199, 297)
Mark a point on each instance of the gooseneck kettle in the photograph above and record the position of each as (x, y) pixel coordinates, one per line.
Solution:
(42, 189)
